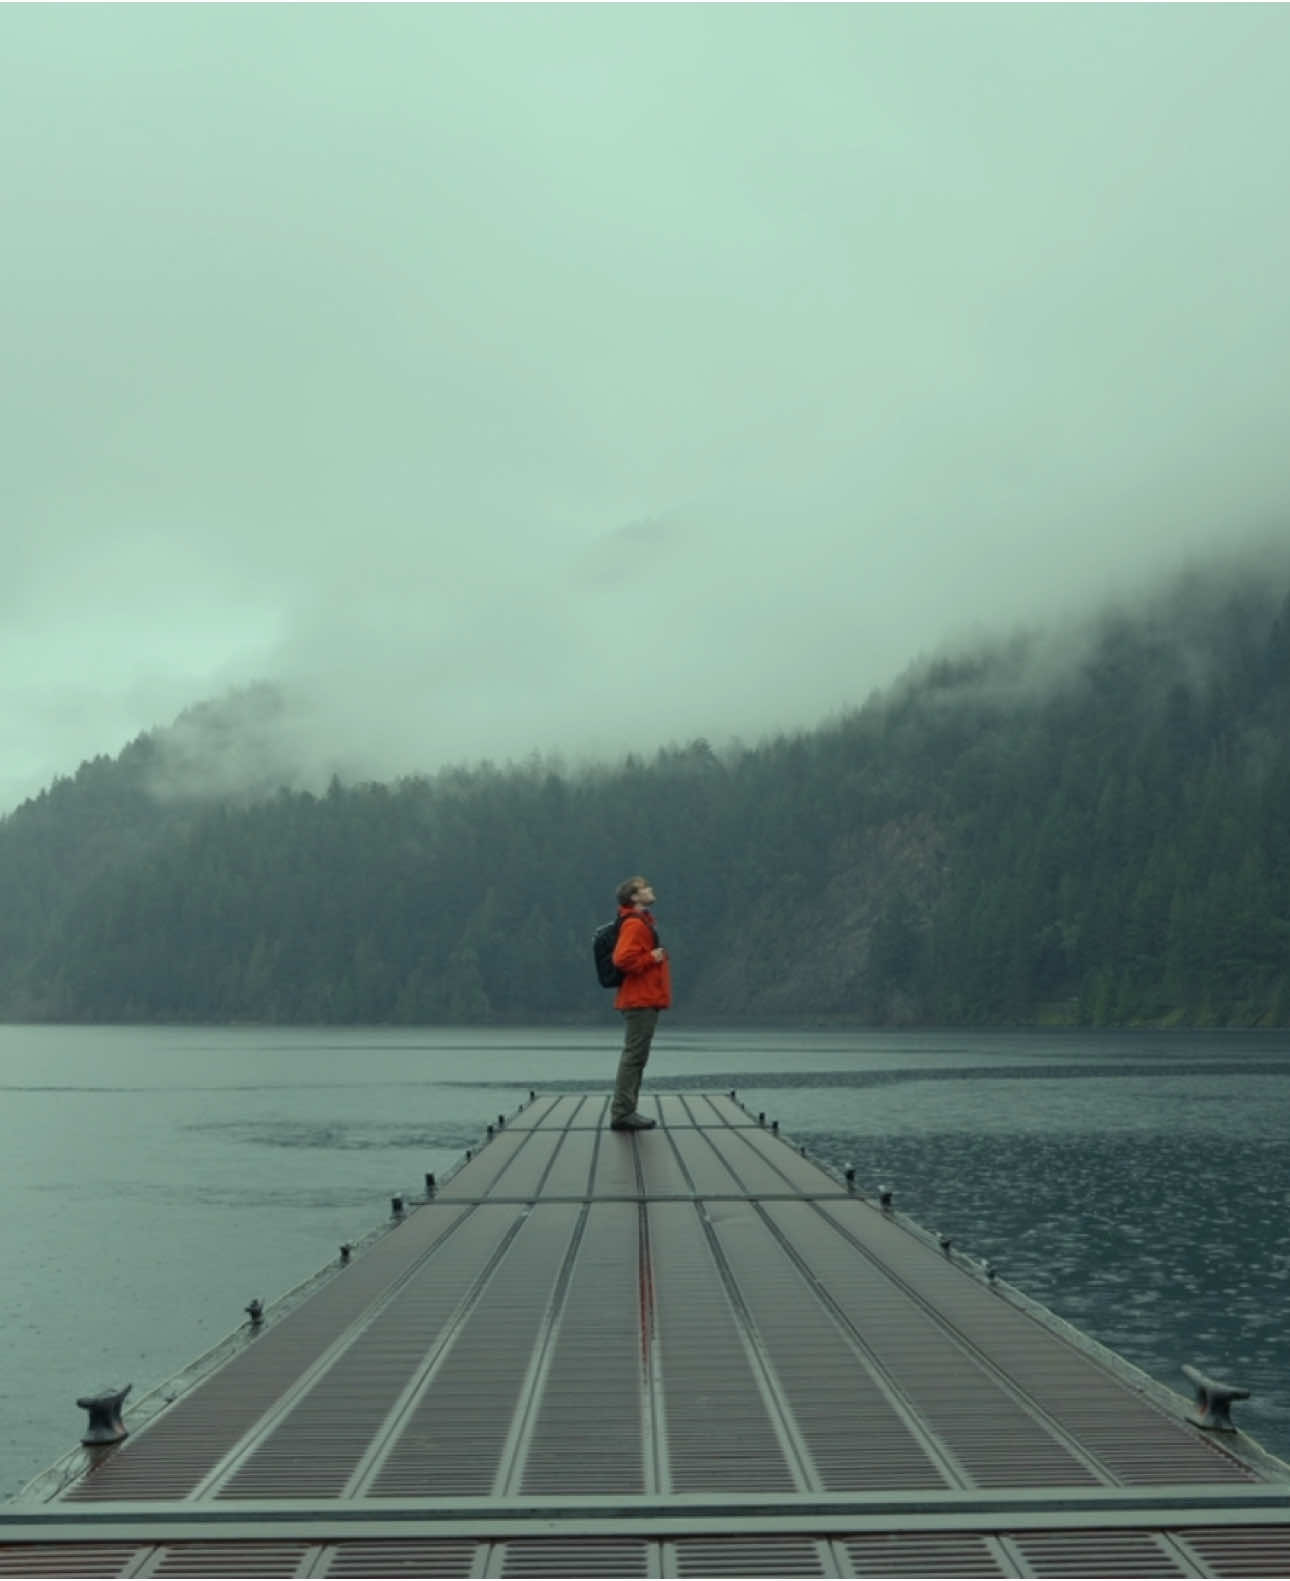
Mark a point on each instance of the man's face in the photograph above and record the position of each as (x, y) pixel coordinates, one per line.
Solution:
(644, 895)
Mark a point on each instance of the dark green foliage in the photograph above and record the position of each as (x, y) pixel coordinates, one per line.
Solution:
(999, 840)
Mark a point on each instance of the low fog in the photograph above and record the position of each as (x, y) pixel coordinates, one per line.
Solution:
(499, 380)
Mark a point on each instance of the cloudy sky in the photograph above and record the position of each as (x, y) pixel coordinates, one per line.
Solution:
(567, 378)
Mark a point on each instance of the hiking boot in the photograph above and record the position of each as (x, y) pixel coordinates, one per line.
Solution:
(632, 1122)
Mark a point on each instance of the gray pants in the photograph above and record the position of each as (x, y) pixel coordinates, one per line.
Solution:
(638, 1033)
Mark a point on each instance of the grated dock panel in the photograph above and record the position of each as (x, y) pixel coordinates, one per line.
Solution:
(680, 1345)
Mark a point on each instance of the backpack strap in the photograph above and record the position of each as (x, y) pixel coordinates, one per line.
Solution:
(649, 923)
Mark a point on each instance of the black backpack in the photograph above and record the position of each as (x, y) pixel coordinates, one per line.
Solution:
(602, 948)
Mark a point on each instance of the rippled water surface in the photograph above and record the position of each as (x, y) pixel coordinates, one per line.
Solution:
(157, 1179)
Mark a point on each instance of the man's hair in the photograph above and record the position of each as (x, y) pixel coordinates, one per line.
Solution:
(626, 891)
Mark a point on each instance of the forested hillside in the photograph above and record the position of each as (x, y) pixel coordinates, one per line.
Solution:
(1097, 837)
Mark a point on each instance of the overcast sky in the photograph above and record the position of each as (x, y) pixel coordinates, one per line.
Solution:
(567, 378)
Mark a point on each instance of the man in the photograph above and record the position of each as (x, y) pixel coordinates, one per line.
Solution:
(646, 989)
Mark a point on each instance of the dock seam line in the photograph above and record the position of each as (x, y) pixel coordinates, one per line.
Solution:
(285, 1402)
(992, 1368)
(383, 1440)
(1189, 1557)
(797, 1454)
(1011, 1559)
(1007, 1384)
(739, 1196)
(143, 1561)
(311, 1559)
(940, 1454)
(655, 1463)
(1096, 1355)
(680, 1164)
(514, 1453)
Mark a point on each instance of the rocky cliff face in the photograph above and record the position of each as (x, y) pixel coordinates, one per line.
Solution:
(848, 949)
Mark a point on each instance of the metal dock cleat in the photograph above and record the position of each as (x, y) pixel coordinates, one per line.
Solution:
(105, 1424)
(1213, 1401)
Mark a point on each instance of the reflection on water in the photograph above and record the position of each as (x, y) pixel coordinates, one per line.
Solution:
(158, 1178)
(343, 1136)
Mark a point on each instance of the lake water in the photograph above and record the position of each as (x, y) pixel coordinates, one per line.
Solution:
(156, 1179)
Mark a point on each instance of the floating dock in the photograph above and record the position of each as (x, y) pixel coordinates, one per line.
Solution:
(689, 1351)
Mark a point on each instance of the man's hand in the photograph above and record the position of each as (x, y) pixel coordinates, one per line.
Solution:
(659, 954)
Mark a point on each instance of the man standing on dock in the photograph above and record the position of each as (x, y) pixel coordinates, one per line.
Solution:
(646, 989)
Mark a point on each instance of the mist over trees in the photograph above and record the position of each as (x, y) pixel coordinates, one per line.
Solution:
(1005, 838)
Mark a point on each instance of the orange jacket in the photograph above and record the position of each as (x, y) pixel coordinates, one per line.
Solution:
(647, 983)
